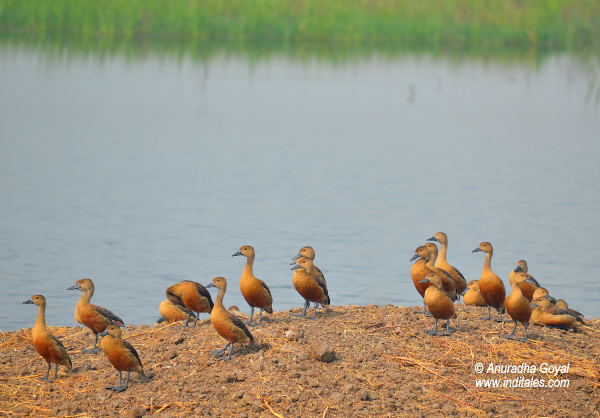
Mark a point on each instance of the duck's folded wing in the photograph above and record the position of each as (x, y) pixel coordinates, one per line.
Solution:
(205, 293)
(240, 324)
(108, 314)
(132, 350)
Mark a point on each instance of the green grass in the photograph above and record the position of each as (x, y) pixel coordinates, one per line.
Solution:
(410, 24)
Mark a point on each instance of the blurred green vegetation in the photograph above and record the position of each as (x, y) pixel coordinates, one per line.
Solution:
(317, 27)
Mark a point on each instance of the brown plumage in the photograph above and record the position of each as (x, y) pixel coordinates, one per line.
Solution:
(441, 262)
(254, 290)
(473, 297)
(517, 305)
(419, 269)
(438, 304)
(121, 355)
(490, 285)
(173, 312)
(540, 292)
(547, 314)
(46, 344)
(529, 286)
(309, 253)
(94, 317)
(309, 282)
(190, 295)
(447, 281)
(225, 323)
(562, 304)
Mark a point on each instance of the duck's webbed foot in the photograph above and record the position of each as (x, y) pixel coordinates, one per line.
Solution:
(119, 388)
(230, 352)
(218, 353)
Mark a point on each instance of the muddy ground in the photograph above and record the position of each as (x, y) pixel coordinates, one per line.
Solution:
(379, 361)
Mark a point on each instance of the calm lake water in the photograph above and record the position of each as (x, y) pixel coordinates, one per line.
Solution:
(140, 172)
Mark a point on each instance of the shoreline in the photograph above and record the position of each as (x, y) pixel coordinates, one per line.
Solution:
(360, 360)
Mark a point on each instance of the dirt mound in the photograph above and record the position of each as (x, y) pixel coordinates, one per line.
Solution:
(352, 360)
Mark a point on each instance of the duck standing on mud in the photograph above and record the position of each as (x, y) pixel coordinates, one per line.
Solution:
(310, 284)
(121, 355)
(46, 344)
(490, 285)
(438, 303)
(254, 290)
(225, 323)
(94, 317)
(190, 296)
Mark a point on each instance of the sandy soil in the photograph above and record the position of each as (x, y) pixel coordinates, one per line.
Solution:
(378, 361)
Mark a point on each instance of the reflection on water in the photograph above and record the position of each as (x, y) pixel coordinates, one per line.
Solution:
(142, 172)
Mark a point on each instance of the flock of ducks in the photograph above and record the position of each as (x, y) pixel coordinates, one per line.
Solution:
(439, 283)
(185, 301)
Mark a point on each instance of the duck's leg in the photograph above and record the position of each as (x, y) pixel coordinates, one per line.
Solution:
(435, 330)
(259, 316)
(315, 305)
(95, 349)
(526, 337)
(500, 318)
(304, 309)
(45, 378)
(448, 332)
(230, 351)
(220, 352)
(196, 318)
(251, 315)
(512, 335)
(489, 317)
(56, 372)
(118, 384)
(121, 388)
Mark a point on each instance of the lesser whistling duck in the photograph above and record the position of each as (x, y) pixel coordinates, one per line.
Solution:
(527, 286)
(472, 296)
(438, 304)
(562, 304)
(225, 323)
(173, 312)
(310, 284)
(540, 292)
(418, 271)
(121, 355)
(190, 295)
(441, 262)
(94, 317)
(308, 252)
(517, 305)
(254, 290)
(46, 344)
(544, 313)
(490, 285)
(447, 282)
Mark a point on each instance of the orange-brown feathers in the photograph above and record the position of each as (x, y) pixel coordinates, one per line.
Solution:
(119, 352)
(309, 282)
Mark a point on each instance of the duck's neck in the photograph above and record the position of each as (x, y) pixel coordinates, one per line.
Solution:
(487, 263)
(442, 253)
(40, 322)
(219, 300)
(431, 261)
(248, 266)
(86, 296)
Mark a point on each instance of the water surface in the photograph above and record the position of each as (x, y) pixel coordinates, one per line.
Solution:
(142, 172)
